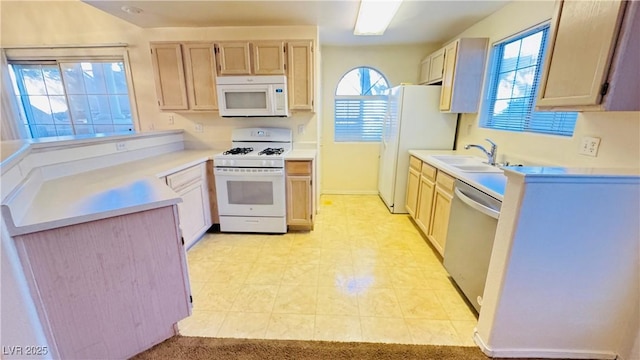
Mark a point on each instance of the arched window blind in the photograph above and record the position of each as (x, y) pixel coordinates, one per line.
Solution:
(360, 106)
(516, 68)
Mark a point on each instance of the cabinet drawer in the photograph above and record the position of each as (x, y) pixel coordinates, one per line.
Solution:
(415, 163)
(185, 177)
(445, 181)
(429, 171)
(298, 167)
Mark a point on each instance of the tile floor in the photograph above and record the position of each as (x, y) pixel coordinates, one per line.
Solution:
(363, 274)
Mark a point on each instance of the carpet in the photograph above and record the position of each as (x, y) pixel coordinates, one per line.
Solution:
(194, 348)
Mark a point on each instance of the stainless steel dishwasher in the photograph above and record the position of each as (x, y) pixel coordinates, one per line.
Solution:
(472, 228)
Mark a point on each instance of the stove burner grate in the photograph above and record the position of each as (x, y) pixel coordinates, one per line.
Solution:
(271, 151)
(238, 151)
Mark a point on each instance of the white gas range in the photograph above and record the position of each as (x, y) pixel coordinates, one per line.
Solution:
(250, 181)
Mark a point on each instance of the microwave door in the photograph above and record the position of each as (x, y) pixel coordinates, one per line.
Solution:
(254, 100)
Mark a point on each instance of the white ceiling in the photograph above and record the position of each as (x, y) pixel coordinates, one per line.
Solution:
(417, 21)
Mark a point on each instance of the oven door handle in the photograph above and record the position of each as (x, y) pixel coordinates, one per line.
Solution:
(477, 206)
(279, 172)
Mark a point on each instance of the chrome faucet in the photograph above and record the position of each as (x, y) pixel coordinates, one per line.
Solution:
(491, 155)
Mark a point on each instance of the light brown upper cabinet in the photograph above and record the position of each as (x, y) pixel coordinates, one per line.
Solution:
(432, 67)
(169, 76)
(268, 57)
(464, 61)
(300, 75)
(234, 58)
(200, 64)
(185, 76)
(251, 58)
(593, 57)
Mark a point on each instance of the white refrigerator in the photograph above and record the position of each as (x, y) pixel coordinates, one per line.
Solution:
(413, 122)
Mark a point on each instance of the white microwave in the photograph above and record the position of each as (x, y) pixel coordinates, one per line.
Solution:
(264, 95)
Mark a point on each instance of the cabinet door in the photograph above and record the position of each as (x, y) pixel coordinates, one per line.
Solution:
(581, 45)
(425, 66)
(168, 71)
(194, 213)
(440, 219)
(413, 184)
(299, 200)
(425, 203)
(300, 75)
(200, 68)
(268, 58)
(437, 66)
(233, 58)
(450, 53)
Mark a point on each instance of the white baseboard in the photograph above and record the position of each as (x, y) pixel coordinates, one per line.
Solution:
(540, 353)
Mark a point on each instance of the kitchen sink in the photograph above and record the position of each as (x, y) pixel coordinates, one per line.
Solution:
(457, 159)
(477, 168)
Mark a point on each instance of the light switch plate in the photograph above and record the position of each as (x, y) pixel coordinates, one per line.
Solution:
(589, 146)
(199, 128)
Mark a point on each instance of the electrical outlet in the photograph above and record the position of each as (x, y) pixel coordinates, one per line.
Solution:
(589, 146)
(171, 120)
(199, 128)
(121, 146)
(301, 129)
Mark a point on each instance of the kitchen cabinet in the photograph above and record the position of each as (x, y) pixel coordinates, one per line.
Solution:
(233, 58)
(432, 67)
(592, 57)
(185, 76)
(464, 65)
(425, 197)
(251, 58)
(195, 212)
(108, 288)
(443, 195)
(299, 194)
(413, 184)
(168, 71)
(269, 57)
(300, 75)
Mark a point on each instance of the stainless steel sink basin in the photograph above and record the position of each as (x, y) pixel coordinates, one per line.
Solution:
(467, 163)
(457, 159)
(478, 168)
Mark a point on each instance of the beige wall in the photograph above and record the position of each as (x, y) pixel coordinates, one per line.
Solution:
(27, 23)
(353, 167)
(619, 131)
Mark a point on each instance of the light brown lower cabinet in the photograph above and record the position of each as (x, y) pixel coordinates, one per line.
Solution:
(299, 194)
(429, 194)
(413, 186)
(425, 201)
(109, 288)
(441, 208)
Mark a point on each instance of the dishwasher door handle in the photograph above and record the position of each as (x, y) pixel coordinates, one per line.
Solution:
(477, 206)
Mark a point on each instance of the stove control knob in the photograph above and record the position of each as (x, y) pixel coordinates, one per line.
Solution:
(224, 162)
(273, 163)
(264, 162)
(231, 162)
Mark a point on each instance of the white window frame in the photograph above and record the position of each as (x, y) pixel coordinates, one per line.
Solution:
(490, 87)
(337, 97)
(86, 53)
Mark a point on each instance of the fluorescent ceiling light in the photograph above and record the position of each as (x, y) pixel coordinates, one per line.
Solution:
(374, 16)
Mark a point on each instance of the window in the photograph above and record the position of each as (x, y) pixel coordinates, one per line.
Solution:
(511, 91)
(360, 106)
(72, 97)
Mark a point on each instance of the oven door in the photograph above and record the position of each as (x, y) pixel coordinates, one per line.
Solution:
(250, 192)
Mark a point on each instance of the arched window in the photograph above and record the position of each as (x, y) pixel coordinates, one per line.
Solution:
(360, 105)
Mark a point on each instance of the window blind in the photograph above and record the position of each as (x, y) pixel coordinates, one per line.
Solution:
(516, 70)
(359, 118)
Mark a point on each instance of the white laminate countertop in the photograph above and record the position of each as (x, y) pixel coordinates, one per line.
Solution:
(301, 154)
(98, 194)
